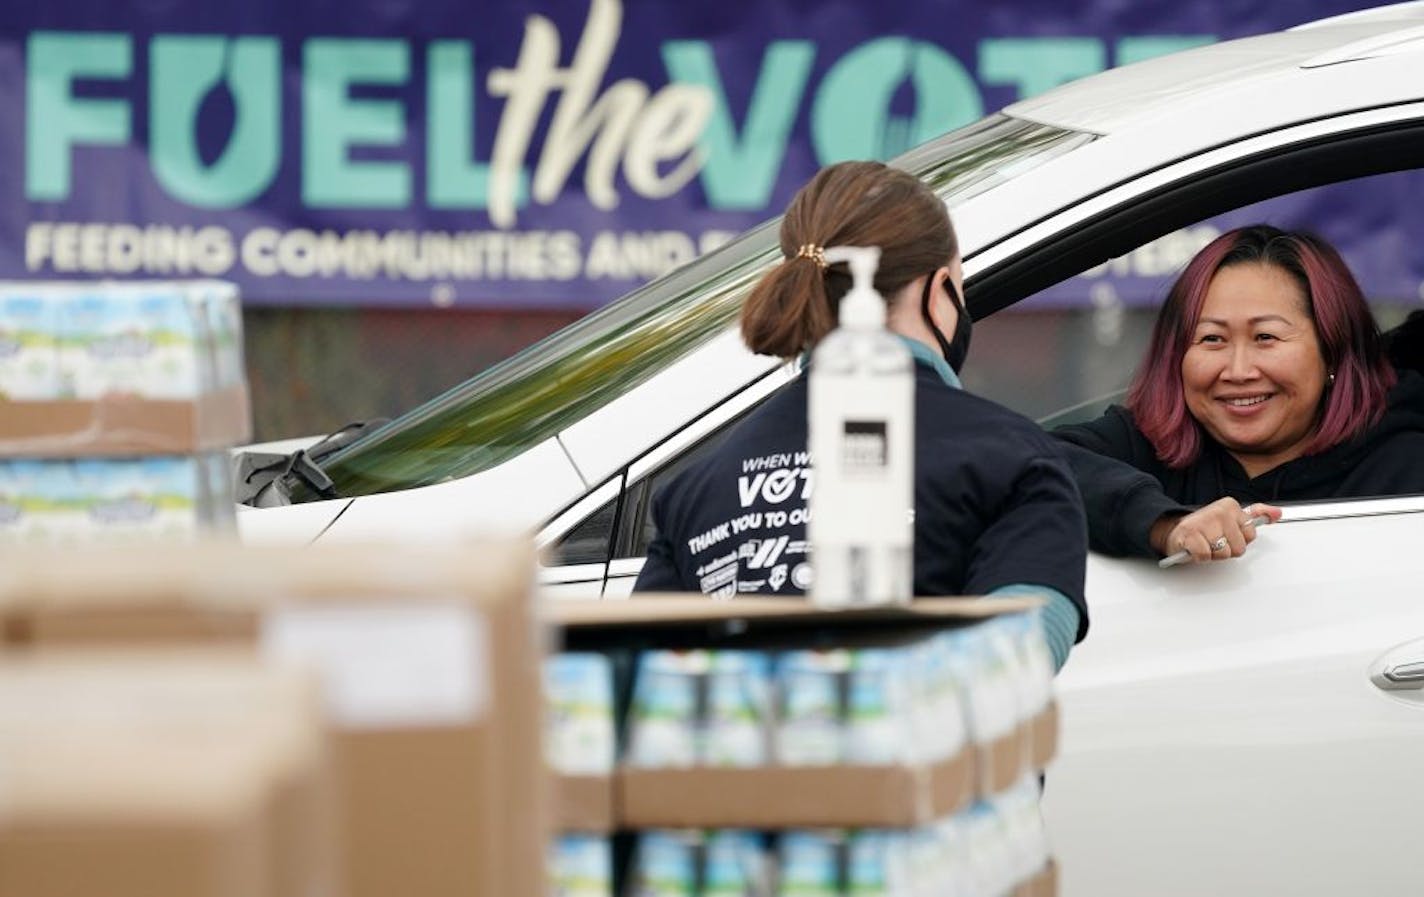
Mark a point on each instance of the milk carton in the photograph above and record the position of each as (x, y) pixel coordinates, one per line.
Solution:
(104, 349)
(50, 502)
(29, 346)
(1035, 661)
(991, 858)
(1019, 810)
(150, 340)
(734, 865)
(985, 672)
(665, 864)
(179, 361)
(878, 864)
(63, 502)
(578, 692)
(937, 712)
(664, 718)
(878, 713)
(810, 864)
(218, 504)
(141, 497)
(736, 731)
(954, 867)
(12, 507)
(581, 866)
(810, 728)
(926, 862)
(224, 316)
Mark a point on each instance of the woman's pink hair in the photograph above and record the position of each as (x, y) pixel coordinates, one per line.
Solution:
(1349, 341)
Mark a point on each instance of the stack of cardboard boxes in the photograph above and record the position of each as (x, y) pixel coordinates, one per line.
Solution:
(118, 403)
(154, 730)
(354, 720)
(768, 748)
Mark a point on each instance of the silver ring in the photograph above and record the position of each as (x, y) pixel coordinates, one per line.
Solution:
(1219, 544)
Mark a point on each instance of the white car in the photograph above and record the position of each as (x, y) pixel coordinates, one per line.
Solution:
(1247, 727)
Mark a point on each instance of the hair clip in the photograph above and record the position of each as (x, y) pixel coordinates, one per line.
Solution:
(813, 252)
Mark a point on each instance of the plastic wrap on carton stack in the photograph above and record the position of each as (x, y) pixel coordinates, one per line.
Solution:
(914, 703)
(119, 404)
(980, 688)
(701, 708)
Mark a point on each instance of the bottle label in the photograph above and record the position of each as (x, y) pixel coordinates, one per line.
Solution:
(864, 448)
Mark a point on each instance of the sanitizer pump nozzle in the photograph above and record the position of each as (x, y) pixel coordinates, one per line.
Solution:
(862, 440)
(862, 306)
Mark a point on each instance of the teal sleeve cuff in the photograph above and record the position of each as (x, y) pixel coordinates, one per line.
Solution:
(1059, 617)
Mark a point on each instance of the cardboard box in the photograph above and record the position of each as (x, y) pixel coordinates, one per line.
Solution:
(1044, 884)
(429, 661)
(94, 739)
(897, 796)
(584, 803)
(120, 426)
(775, 797)
(1044, 738)
(114, 819)
(195, 704)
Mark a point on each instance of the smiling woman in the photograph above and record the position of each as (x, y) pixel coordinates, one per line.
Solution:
(1265, 380)
(1253, 374)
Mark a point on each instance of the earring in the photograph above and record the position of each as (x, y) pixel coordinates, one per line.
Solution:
(1332, 378)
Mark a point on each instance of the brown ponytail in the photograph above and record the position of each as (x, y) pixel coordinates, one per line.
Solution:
(848, 204)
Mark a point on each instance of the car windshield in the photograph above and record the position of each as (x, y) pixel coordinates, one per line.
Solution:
(534, 395)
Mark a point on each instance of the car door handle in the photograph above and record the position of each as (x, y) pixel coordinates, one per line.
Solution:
(1400, 669)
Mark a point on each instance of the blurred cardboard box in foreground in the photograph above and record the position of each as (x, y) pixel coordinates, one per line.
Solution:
(197, 774)
(429, 669)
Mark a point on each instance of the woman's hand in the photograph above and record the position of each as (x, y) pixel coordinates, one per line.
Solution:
(1214, 532)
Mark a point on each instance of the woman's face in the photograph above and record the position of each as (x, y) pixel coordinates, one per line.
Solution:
(1253, 373)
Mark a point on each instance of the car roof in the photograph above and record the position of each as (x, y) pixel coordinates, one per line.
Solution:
(1121, 97)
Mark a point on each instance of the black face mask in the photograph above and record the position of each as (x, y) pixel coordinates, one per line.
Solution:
(957, 349)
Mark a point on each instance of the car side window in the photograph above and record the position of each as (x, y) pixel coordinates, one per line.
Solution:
(639, 529)
(588, 542)
(636, 529)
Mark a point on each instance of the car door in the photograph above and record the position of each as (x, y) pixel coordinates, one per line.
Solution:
(1221, 731)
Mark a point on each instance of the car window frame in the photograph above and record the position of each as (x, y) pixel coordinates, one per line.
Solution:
(567, 521)
(1110, 223)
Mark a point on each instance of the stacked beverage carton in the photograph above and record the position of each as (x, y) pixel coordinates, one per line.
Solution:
(768, 748)
(581, 747)
(118, 404)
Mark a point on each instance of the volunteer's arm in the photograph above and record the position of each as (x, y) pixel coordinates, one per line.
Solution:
(1038, 542)
(1060, 618)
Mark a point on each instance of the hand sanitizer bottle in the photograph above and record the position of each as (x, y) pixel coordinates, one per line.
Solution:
(862, 421)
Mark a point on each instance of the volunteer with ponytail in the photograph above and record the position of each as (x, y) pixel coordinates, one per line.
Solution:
(996, 509)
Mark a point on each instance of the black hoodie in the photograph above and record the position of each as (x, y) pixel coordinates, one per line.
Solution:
(1126, 488)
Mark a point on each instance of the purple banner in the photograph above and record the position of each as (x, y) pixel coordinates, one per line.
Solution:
(551, 155)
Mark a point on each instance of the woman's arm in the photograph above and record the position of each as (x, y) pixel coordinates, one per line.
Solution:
(1123, 502)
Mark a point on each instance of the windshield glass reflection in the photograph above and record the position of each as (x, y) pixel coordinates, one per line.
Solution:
(531, 397)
